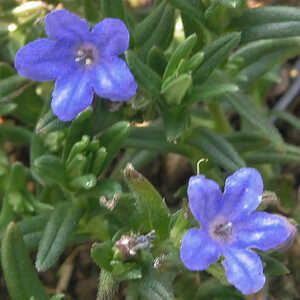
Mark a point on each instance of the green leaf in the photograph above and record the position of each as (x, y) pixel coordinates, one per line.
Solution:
(144, 75)
(6, 109)
(246, 108)
(190, 9)
(126, 270)
(157, 60)
(271, 157)
(14, 134)
(218, 271)
(48, 169)
(48, 123)
(223, 11)
(179, 228)
(76, 166)
(288, 117)
(175, 121)
(273, 266)
(102, 254)
(263, 65)
(271, 31)
(33, 224)
(81, 125)
(78, 148)
(145, 28)
(150, 204)
(112, 9)
(253, 51)
(245, 141)
(215, 54)
(21, 279)
(208, 92)
(162, 34)
(61, 224)
(10, 84)
(86, 182)
(176, 89)
(113, 139)
(267, 15)
(17, 177)
(154, 287)
(98, 164)
(91, 9)
(216, 148)
(37, 148)
(58, 297)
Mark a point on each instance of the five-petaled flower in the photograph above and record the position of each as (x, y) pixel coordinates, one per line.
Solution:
(81, 62)
(230, 227)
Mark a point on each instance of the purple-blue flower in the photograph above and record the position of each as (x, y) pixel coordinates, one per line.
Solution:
(230, 228)
(81, 61)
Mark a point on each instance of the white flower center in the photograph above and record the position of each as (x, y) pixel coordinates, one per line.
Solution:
(86, 55)
(221, 230)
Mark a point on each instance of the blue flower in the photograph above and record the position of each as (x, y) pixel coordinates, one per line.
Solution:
(230, 228)
(81, 61)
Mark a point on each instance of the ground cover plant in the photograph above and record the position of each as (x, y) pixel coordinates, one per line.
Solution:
(161, 137)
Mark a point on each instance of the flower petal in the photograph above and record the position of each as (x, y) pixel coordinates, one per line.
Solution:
(198, 251)
(113, 80)
(72, 94)
(244, 270)
(44, 60)
(61, 24)
(263, 231)
(204, 198)
(242, 195)
(111, 36)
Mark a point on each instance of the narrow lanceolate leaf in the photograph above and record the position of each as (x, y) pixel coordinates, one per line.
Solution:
(187, 7)
(215, 54)
(145, 76)
(21, 279)
(176, 89)
(145, 28)
(182, 51)
(48, 169)
(112, 9)
(253, 71)
(150, 204)
(253, 51)
(245, 107)
(37, 148)
(79, 126)
(209, 92)
(271, 31)
(267, 15)
(48, 123)
(11, 84)
(14, 134)
(6, 109)
(162, 33)
(61, 224)
(271, 157)
(288, 117)
(273, 266)
(216, 148)
(113, 139)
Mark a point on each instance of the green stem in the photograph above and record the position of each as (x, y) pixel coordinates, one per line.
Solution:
(108, 286)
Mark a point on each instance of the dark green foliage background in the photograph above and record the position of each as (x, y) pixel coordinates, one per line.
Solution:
(205, 69)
